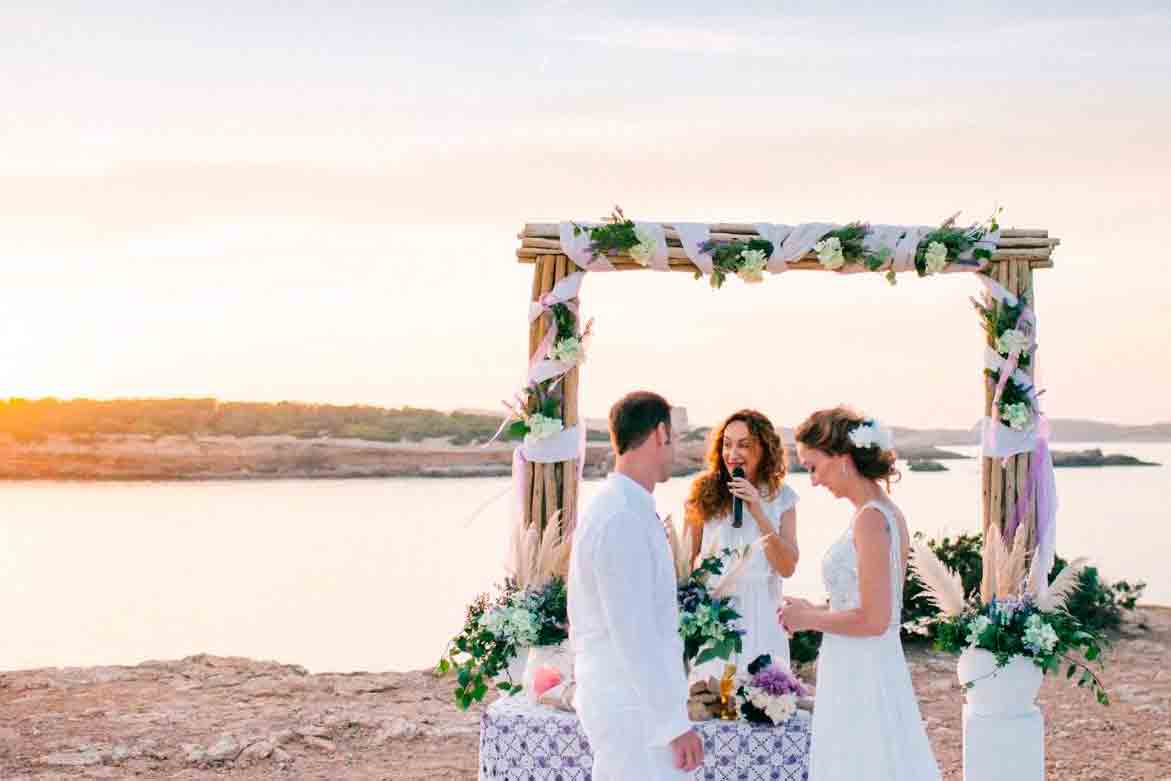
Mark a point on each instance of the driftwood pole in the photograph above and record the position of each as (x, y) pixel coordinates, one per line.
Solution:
(552, 488)
(1005, 481)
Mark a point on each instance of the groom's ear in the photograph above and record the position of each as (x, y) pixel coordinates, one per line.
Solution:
(665, 433)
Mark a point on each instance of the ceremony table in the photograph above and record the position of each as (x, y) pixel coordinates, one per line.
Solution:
(523, 741)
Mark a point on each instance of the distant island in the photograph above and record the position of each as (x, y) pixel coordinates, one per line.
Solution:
(202, 438)
(1095, 457)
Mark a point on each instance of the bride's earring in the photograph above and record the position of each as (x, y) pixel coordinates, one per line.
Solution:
(843, 470)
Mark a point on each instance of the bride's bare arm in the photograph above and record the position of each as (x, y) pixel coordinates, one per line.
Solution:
(871, 618)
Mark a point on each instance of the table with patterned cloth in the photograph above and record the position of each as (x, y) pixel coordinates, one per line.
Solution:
(522, 741)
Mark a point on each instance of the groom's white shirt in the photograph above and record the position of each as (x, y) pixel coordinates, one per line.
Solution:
(624, 622)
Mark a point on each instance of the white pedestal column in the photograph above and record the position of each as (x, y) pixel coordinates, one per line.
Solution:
(1004, 731)
(1004, 748)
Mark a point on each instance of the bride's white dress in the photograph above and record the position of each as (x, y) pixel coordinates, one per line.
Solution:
(866, 722)
(758, 588)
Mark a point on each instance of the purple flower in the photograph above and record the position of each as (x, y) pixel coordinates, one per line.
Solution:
(776, 680)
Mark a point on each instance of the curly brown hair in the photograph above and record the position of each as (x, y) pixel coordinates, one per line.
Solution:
(709, 496)
(828, 430)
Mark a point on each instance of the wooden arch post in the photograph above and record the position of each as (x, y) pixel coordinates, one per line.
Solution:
(551, 489)
(1005, 481)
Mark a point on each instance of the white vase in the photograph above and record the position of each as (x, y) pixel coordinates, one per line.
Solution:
(516, 668)
(559, 656)
(999, 691)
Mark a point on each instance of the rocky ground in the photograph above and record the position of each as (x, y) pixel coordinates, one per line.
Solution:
(210, 717)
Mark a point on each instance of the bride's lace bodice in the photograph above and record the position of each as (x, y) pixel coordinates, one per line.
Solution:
(839, 568)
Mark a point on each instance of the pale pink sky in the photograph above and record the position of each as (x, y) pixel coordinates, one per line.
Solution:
(321, 204)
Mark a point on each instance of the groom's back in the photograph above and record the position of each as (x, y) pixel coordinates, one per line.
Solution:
(585, 619)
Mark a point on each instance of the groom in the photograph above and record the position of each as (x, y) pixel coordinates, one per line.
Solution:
(623, 616)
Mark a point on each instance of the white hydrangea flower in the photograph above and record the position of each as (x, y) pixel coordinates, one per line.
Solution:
(936, 257)
(1040, 638)
(645, 249)
(1017, 416)
(542, 427)
(493, 621)
(829, 253)
(522, 627)
(1012, 341)
(977, 628)
(753, 268)
(568, 350)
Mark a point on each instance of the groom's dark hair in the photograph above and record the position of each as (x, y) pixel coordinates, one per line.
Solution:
(635, 416)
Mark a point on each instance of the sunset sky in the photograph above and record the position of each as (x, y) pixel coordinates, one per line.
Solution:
(321, 204)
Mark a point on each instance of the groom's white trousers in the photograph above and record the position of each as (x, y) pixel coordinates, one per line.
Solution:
(620, 736)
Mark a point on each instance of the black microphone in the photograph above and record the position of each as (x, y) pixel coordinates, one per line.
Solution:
(737, 503)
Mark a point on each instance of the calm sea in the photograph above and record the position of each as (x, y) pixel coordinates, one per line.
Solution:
(342, 575)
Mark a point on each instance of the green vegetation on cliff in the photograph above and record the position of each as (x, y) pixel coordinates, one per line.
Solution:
(32, 420)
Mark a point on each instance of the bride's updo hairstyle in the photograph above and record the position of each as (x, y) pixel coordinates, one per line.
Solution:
(829, 430)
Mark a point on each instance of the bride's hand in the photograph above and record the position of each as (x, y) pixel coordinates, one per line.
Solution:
(745, 490)
(797, 615)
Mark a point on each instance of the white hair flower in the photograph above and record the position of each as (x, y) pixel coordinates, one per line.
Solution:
(936, 257)
(872, 434)
(829, 253)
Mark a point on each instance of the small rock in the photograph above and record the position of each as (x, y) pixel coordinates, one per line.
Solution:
(90, 756)
(225, 748)
(193, 754)
(279, 755)
(119, 753)
(282, 737)
(398, 729)
(257, 751)
(326, 746)
(312, 731)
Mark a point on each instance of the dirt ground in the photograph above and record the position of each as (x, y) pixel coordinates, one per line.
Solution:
(211, 717)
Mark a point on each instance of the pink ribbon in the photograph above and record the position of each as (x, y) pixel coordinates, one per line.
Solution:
(1040, 486)
(564, 292)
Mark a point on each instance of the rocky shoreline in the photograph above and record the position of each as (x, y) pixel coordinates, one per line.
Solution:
(137, 457)
(207, 717)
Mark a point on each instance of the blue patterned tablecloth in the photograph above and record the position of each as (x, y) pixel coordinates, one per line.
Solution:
(521, 741)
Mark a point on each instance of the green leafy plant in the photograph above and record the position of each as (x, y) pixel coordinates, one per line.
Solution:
(707, 621)
(495, 630)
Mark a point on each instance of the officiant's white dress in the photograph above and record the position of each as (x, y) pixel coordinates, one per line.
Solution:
(866, 722)
(758, 588)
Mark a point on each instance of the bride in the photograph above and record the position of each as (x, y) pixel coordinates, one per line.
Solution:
(747, 440)
(867, 723)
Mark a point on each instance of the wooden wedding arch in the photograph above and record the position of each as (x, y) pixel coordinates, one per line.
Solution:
(551, 489)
